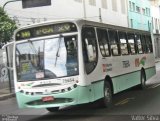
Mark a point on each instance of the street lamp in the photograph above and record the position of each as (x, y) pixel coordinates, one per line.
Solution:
(9, 2)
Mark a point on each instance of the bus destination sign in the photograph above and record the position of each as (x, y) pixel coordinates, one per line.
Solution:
(46, 30)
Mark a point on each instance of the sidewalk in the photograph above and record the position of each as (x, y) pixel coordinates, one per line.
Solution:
(157, 60)
(155, 80)
(5, 94)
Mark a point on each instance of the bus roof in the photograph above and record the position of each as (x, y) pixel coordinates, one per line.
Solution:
(83, 22)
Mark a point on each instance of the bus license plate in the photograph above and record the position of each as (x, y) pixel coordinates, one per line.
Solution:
(47, 99)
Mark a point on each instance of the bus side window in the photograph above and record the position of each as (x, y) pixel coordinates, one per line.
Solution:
(139, 43)
(149, 44)
(131, 42)
(144, 46)
(89, 48)
(103, 42)
(114, 42)
(123, 43)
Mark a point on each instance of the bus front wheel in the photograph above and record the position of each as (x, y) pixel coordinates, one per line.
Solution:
(107, 99)
(54, 109)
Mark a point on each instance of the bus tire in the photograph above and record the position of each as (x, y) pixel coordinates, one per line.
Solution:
(54, 109)
(107, 99)
(143, 79)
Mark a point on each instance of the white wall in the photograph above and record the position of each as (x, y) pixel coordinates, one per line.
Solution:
(68, 9)
(155, 13)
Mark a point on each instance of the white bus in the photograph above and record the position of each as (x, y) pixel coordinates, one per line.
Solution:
(70, 62)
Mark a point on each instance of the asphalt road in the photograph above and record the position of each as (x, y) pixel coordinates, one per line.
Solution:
(132, 104)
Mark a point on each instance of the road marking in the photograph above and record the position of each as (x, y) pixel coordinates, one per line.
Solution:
(154, 86)
(122, 102)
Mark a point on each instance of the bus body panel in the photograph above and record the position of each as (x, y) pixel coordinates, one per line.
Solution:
(124, 71)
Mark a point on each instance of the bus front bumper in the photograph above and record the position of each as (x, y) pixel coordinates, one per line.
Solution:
(78, 95)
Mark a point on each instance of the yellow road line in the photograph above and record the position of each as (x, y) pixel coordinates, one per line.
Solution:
(122, 102)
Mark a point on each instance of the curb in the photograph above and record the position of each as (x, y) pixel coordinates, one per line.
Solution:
(157, 61)
(6, 96)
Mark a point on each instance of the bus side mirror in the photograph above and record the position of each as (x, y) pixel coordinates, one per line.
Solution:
(4, 55)
(4, 58)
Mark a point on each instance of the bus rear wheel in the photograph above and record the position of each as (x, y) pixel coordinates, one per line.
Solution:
(107, 99)
(54, 109)
(143, 79)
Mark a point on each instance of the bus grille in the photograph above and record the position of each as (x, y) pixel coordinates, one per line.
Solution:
(56, 101)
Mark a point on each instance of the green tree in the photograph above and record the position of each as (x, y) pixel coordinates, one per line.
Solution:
(7, 27)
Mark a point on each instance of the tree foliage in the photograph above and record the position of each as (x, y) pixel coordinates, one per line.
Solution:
(7, 27)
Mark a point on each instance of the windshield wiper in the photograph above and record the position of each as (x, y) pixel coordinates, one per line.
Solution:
(57, 53)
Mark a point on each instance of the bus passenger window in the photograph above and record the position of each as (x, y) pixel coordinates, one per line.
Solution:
(139, 44)
(131, 42)
(103, 42)
(144, 47)
(89, 48)
(114, 42)
(123, 43)
(71, 47)
(149, 44)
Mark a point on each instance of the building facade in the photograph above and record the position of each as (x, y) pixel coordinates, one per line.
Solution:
(155, 13)
(139, 14)
(106, 11)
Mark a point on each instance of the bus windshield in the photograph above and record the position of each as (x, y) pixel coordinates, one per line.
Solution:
(47, 59)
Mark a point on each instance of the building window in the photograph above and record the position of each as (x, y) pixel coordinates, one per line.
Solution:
(130, 5)
(133, 6)
(156, 24)
(114, 5)
(123, 6)
(104, 4)
(143, 11)
(147, 11)
(138, 9)
(149, 26)
(78, 1)
(92, 2)
(131, 23)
